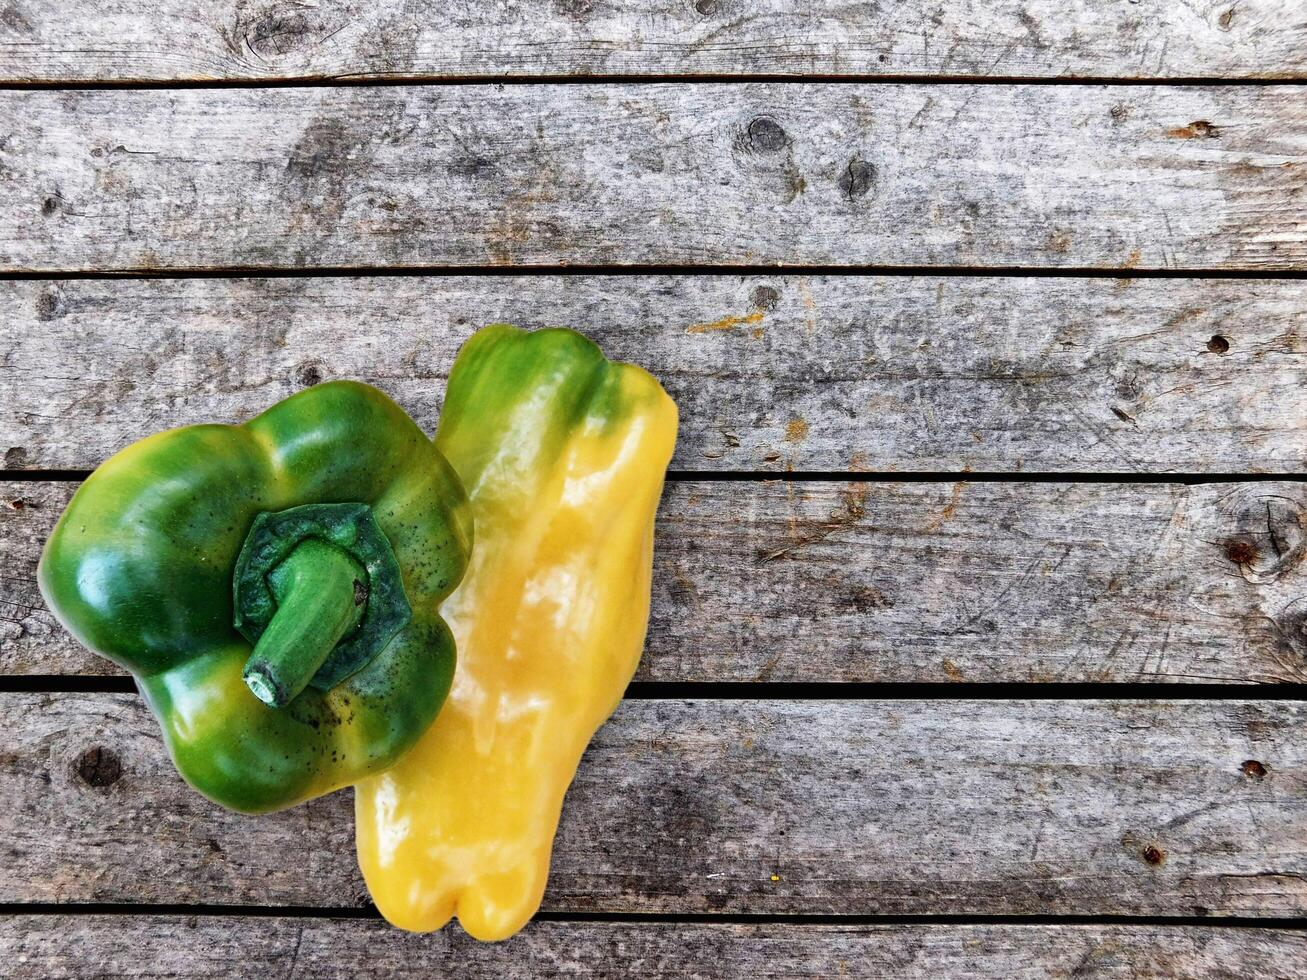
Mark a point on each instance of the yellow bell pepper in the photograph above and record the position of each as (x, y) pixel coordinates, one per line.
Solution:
(563, 455)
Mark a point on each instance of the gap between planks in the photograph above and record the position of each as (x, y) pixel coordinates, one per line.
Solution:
(771, 78)
(566, 270)
(803, 691)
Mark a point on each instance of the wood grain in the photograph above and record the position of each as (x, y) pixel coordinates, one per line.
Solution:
(54, 947)
(82, 40)
(905, 582)
(850, 807)
(735, 174)
(771, 372)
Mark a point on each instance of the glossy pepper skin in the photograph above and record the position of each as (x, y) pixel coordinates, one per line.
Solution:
(140, 569)
(563, 454)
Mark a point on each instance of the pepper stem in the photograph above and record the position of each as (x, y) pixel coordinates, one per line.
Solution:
(321, 596)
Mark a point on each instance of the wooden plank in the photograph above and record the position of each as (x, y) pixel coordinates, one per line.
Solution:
(65, 946)
(736, 174)
(851, 807)
(771, 372)
(80, 40)
(906, 582)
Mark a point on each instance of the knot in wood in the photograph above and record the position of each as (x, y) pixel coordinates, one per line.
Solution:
(1267, 537)
(765, 298)
(49, 305)
(1289, 636)
(278, 33)
(99, 767)
(857, 179)
(309, 374)
(767, 136)
(575, 9)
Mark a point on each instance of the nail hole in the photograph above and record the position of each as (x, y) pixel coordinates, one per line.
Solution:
(1218, 344)
(1253, 769)
(49, 206)
(99, 767)
(308, 374)
(1154, 854)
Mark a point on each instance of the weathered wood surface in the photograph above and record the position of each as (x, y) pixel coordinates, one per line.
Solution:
(989, 176)
(82, 40)
(905, 582)
(55, 947)
(946, 807)
(771, 372)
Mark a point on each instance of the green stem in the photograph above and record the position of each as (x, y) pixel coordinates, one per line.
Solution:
(320, 598)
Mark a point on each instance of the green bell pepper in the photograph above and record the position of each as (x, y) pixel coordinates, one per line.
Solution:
(275, 588)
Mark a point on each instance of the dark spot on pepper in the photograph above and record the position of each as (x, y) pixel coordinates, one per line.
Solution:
(765, 298)
(1154, 855)
(360, 593)
(99, 767)
(1218, 344)
(766, 135)
(1253, 769)
(857, 179)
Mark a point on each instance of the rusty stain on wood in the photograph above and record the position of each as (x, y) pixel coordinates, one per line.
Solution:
(1198, 129)
(727, 323)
